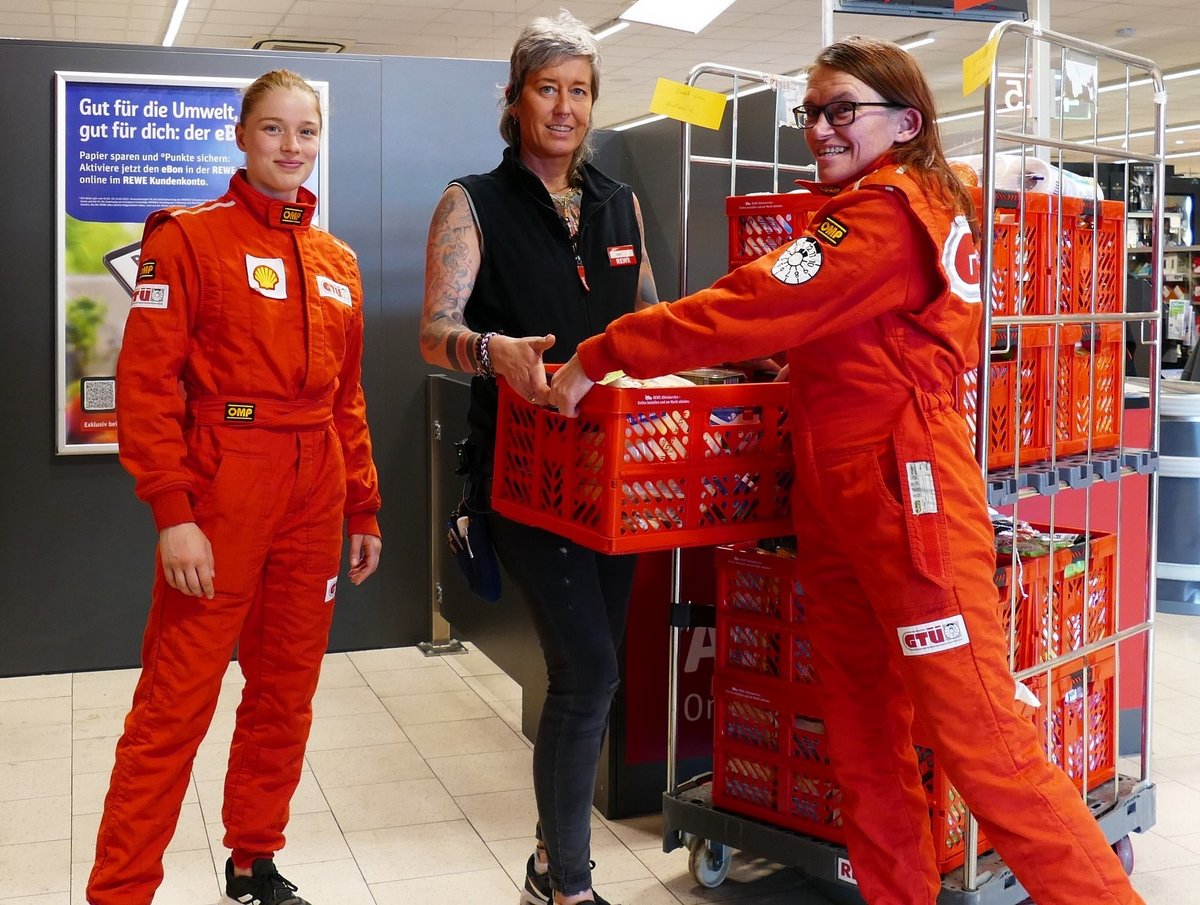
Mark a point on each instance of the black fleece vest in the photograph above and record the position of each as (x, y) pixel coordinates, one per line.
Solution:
(528, 282)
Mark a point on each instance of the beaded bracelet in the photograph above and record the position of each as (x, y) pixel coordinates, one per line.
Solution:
(483, 367)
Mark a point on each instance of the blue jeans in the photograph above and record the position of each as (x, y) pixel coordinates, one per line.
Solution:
(578, 599)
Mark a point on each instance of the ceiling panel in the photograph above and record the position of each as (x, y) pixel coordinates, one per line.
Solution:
(770, 35)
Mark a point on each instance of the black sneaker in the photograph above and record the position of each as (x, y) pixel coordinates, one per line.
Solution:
(265, 887)
(537, 889)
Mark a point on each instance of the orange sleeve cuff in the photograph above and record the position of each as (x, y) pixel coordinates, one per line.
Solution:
(596, 356)
(363, 523)
(171, 507)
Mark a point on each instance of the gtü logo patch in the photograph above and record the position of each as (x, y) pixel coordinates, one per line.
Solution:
(933, 637)
(239, 411)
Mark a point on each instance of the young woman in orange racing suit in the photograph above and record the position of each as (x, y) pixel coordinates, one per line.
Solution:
(250, 471)
(878, 305)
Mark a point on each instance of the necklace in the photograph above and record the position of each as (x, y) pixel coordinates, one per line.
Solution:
(567, 202)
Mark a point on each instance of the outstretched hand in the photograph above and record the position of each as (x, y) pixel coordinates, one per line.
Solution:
(519, 361)
(570, 385)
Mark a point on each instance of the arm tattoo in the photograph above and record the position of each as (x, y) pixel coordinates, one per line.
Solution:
(451, 265)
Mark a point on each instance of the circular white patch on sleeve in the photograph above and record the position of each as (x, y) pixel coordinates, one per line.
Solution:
(800, 263)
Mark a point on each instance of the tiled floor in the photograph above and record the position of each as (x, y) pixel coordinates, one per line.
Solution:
(417, 791)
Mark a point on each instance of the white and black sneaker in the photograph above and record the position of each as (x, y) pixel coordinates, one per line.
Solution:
(264, 887)
(537, 886)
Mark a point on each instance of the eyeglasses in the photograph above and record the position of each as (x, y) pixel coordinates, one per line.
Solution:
(839, 113)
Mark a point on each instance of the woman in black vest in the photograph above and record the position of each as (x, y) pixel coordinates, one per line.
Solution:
(523, 263)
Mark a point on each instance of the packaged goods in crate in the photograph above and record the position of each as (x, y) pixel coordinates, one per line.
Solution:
(1056, 601)
(1053, 255)
(1017, 421)
(1089, 387)
(761, 223)
(1078, 717)
(649, 469)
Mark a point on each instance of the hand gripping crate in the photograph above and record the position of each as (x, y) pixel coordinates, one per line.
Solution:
(649, 469)
(761, 223)
(1064, 600)
(1053, 255)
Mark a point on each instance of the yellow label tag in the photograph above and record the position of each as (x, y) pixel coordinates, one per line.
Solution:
(977, 68)
(697, 106)
(611, 377)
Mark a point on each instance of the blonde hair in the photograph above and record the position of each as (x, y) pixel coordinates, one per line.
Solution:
(544, 42)
(270, 81)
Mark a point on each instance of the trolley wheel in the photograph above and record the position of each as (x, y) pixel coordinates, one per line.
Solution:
(1124, 849)
(709, 862)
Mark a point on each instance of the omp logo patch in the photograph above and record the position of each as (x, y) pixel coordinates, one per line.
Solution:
(239, 411)
(621, 255)
(290, 216)
(147, 269)
(832, 232)
(933, 637)
(150, 295)
(332, 289)
(331, 589)
(845, 872)
(266, 276)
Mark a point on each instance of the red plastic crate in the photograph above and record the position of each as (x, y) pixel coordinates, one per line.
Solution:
(1019, 366)
(761, 223)
(771, 762)
(1080, 726)
(649, 469)
(1064, 600)
(1089, 394)
(1053, 255)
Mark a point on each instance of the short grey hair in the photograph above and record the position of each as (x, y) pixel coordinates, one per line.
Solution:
(544, 42)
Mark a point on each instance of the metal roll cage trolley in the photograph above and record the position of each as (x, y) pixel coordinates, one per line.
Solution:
(1123, 803)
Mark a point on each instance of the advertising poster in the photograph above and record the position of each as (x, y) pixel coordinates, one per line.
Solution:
(127, 145)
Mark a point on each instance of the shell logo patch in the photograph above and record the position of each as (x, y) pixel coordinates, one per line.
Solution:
(266, 276)
(150, 295)
(332, 289)
(799, 263)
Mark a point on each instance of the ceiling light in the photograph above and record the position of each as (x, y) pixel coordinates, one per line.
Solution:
(919, 40)
(633, 123)
(610, 29)
(692, 16)
(176, 20)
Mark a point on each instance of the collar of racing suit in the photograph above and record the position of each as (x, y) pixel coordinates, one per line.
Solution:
(272, 212)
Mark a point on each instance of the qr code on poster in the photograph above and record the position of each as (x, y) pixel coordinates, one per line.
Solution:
(98, 394)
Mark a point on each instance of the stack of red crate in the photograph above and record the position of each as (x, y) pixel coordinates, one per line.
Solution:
(1052, 386)
(770, 757)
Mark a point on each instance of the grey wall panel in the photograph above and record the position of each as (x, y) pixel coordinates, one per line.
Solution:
(76, 546)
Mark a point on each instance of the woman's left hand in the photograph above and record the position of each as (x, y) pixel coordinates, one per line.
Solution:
(364, 556)
(570, 384)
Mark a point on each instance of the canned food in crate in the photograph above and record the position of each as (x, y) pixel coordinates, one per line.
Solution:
(713, 376)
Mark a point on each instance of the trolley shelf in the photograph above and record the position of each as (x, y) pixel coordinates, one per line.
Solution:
(689, 814)
(1067, 472)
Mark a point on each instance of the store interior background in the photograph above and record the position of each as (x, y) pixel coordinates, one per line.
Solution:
(409, 78)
